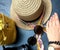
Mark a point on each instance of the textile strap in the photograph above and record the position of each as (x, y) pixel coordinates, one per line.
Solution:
(40, 45)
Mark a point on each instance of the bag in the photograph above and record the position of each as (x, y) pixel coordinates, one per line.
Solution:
(7, 30)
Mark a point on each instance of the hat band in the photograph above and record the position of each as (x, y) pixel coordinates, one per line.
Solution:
(33, 20)
(29, 23)
(41, 12)
(33, 16)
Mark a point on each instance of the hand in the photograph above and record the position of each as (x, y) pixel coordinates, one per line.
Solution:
(53, 28)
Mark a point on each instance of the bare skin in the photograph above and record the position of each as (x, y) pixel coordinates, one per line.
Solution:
(53, 29)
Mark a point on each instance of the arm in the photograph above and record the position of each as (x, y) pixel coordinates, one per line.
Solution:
(56, 47)
(53, 30)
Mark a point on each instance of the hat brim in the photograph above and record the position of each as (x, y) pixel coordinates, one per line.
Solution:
(20, 24)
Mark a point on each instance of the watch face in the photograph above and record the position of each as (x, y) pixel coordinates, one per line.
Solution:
(51, 48)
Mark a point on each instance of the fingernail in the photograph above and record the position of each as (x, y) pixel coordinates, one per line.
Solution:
(52, 15)
(55, 13)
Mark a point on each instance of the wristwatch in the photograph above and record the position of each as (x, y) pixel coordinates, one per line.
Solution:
(50, 47)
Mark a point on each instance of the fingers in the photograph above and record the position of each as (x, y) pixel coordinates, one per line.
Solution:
(50, 21)
(47, 25)
(54, 21)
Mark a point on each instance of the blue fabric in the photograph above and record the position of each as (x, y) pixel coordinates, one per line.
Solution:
(24, 34)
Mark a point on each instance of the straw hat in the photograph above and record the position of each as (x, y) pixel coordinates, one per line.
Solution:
(28, 13)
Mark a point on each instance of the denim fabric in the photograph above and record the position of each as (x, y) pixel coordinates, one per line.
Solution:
(23, 35)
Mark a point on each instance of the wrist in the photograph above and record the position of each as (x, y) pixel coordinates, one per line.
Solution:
(55, 45)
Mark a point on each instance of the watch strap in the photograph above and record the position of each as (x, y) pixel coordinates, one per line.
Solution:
(54, 42)
(51, 47)
(57, 48)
